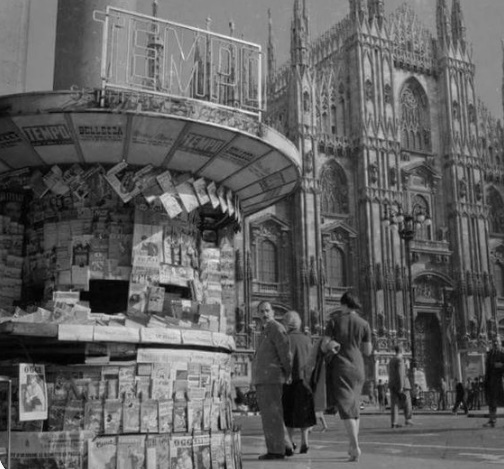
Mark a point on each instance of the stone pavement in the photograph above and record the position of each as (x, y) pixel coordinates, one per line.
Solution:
(439, 440)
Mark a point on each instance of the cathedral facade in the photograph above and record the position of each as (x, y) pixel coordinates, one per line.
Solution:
(390, 129)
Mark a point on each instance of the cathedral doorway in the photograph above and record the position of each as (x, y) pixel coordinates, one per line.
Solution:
(429, 348)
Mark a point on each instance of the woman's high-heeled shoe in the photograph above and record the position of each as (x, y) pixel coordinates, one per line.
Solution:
(304, 449)
(354, 454)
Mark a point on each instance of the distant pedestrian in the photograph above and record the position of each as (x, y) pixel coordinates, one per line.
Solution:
(298, 408)
(469, 394)
(460, 398)
(443, 388)
(476, 394)
(400, 388)
(380, 387)
(271, 368)
(494, 369)
(371, 392)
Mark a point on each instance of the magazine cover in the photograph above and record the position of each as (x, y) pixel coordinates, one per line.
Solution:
(156, 297)
(181, 452)
(157, 452)
(201, 191)
(165, 415)
(212, 194)
(217, 451)
(143, 386)
(74, 415)
(195, 407)
(112, 416)
(93, 417)
(201, 451)
(229, 450)
(32, 392)
(131, 416)
(149, 416)
(127, 388)
(162, 388)
(102, 453)
(180, 422)
(131, 452)
(137, 298)
(207, 413)
(56, 415)
(187, 195)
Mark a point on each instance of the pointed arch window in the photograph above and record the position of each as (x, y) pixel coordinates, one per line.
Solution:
(334, 120)
(334, 189)
(306, 101)
(268, 262)
(335, 267)
(415, 117)
(496, 219)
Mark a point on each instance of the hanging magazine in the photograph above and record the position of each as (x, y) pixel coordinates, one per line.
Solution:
(32, 392)
(158, 452)
(181, 452)
(102, 453)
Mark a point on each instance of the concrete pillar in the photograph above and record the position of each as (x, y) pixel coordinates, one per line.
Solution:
(14, 29)
(79, 42)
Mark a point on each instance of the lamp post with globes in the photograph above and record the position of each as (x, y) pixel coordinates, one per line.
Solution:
(407, 225)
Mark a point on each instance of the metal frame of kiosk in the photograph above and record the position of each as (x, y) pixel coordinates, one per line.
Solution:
(7, 451)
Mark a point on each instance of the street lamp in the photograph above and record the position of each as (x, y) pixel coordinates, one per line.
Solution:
(407, 225)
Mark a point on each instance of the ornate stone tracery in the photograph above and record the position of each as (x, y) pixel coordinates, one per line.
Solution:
(334, 190)
(415, 117)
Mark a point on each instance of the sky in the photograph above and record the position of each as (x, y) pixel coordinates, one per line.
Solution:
(484, 20)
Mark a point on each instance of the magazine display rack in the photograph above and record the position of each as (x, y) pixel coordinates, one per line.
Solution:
(119, 353)
(141, 404)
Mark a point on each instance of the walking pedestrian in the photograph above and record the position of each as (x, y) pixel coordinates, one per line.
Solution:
(400, 388)
(494, 369)
(271, 367)
(476, 395)
(298, 408)
(380, 387)
(460, 398)
(346, 339)
(469, 394)
(443, 388)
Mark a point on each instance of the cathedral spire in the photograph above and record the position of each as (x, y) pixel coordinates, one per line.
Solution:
(359, 9)
(458, 25)
(299, 38)
(443, 24)
(271, 52)
(502, 43)
(376, 10)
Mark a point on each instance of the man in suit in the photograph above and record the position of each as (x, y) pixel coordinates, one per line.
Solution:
(271, 368)
(494, 369)
(400, 388)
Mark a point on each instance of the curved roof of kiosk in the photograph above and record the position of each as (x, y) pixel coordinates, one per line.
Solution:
(229, 147)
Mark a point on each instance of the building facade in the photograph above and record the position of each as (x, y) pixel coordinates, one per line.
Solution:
(386, 118)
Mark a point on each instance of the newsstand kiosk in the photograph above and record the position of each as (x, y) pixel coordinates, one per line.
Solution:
(120, 197)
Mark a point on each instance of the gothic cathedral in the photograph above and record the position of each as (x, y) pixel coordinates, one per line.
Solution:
(391, 132)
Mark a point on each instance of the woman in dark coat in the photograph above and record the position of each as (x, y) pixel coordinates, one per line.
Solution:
(298, 407)
(347, 338)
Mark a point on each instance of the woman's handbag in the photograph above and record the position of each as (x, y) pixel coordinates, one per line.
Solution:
(315, 376)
